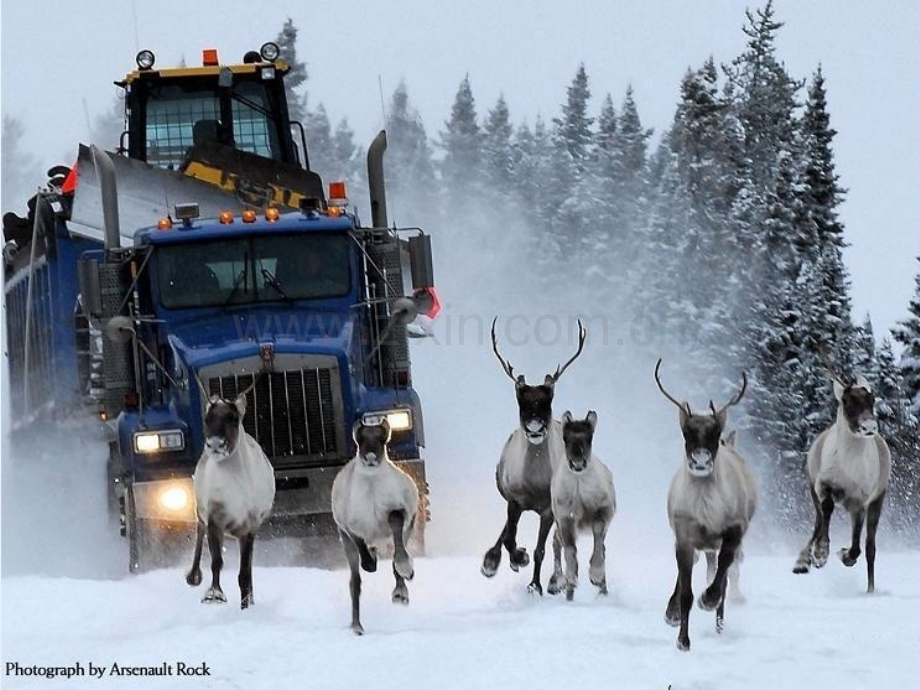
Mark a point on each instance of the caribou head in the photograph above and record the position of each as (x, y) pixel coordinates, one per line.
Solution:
(855, 401)
(371, 440)
(578, 436)
(223, 420)
(535, 403)
(702, 432)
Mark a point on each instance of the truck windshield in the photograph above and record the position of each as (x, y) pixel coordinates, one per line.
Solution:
(187, 112)
(266, 268)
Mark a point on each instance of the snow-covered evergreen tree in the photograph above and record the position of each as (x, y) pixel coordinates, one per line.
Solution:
(907, 332)
(295, 81)
(409, 164)
(462, 142)
(497, 149)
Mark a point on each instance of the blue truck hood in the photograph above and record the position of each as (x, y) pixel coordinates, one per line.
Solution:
(217, 338)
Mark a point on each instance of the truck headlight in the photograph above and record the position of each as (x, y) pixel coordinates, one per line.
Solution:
(155, 441)
(399, 420)
(174, 498)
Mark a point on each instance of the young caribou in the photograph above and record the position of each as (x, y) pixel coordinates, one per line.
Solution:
(583, 499)
(710, 505)
(849, 464)
(372, 501)
(525, 470)
(234, 490)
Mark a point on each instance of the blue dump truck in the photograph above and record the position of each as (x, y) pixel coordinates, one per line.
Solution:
(205, 249)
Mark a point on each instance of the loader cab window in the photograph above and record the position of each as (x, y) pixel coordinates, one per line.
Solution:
(185, 112)
(247, 270)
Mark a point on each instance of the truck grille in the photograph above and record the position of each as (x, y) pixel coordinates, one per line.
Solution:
(292, 414)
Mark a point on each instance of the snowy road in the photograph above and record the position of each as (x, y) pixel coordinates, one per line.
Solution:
(463, 631)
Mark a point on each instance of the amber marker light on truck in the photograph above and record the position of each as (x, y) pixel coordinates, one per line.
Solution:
(164, 223)
(272, 214)
(249, 216)
(226, 217)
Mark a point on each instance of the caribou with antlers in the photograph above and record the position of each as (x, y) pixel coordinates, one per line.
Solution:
(710, 505)
(848, 464)
(525, 470)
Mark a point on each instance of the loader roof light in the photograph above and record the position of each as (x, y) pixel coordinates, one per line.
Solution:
(270, 51)
(272, 214)
(209, 57)
(145, 59)
(164, 223)
(249, 216)
(337, 194)
(225, 217)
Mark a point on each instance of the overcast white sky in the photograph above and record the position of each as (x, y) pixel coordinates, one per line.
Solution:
(56, 54)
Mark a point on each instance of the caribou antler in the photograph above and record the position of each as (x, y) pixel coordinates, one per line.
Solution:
(506, 365)
(829, 367)
(733, 401)
(682, 406)
(246, 392)
(582, 336)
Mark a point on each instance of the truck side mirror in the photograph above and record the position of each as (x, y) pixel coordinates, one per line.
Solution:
(420, 262)
(90, 288)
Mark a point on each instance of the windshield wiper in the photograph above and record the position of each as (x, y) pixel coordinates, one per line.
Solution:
(272, 281)
(241, 278)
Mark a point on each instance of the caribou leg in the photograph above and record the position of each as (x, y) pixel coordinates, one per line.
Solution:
(546, 522)
(508, 536)
(555, 580)
(851, 555)
(215, 545)
(402, 562)
(710, 567)
(714, 595)
(875, 512)
(354, 585)
(734, 578)
(804, 562)
(193, 578)
(684, 553)
(672, 612)
(823, 543)
(247, 543)
(569, 536)
(597, 570)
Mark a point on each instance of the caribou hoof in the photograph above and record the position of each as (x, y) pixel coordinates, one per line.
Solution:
(214, 596)
(247, 601)
(519, 559)
(683, 644)
(672, 613)
(822, 549)
(535, 588)
(720, 624)
(553, 586)
(801, 568)
(357, 628)
(847, 558)
(569, 593)
(601, 587)
(490, 564)
(710, 600)
(193, 578)
(401, 596)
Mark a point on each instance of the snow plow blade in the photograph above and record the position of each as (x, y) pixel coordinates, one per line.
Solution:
(145, 194)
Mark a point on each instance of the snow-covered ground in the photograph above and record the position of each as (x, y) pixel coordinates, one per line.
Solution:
(463, 631)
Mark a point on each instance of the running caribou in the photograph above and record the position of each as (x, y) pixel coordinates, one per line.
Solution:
(374, 501)
(848, 464)
(710, 505)
(234, 490)
(583, 500)
(525, 470)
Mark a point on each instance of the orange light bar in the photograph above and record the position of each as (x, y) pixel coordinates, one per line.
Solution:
(249, 216)
(272, 214)
(226, 217)
(164, 223)
(209, 57)
(337, 190)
